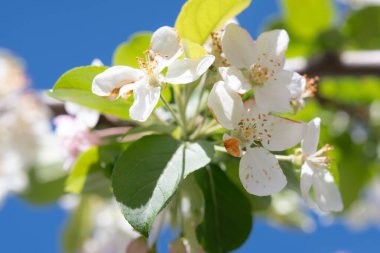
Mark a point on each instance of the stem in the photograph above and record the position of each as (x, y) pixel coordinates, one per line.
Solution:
(181, 110)
(202, 83)
(170, 109)
(285, 157)
(111, 131)
(163, 122)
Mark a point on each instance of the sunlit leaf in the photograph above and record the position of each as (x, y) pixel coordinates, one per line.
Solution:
(126, 53)
(92, 169)
(75, 86)
(198, 18)
(307, 18)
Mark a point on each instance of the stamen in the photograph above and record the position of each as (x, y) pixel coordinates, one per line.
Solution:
(259, 74)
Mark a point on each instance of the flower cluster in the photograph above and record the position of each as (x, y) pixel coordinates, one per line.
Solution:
(257, 67)
(166, 52)
(251, 89)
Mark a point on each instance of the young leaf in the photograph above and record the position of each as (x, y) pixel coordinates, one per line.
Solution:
(363, 28)
(306, 19)
(40, 192)
(148, 173)
(126, 53)
(227, 220)
(90, 170)
(79, 227)
(198, 18)
(75, 86)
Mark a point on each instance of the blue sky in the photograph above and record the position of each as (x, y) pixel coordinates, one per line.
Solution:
(54, 36)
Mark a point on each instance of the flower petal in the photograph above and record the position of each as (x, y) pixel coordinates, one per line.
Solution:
(237, 46)
(188, 70)
(111, 80)
(311, 137)
(146, 98)
(270, 49)
(276, 93)
(260, 172)
(327, 193)
(278, 133)
(306, 182)
(166, 43)
(85, 116)
(235, 79)
(226, 105)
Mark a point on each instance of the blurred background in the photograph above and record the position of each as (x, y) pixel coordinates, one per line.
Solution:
(338, 41)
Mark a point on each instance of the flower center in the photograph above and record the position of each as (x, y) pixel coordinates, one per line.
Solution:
(259, 74)
(320, 159)
(216, 50)
(149, 65)
(254, 130)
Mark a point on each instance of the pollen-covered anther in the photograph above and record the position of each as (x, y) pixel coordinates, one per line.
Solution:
(259, 74)
(311, 86)
(320, 158)
(216, 49)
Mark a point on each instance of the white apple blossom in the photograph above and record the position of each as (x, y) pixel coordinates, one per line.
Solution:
(74, 131)
(24, 127)
(255, 133)
(146, 83)
(111, 232)
(315, 174)
(259, 65)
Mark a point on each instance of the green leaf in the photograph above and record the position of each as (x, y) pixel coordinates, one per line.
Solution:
(79, 227)
(193, 50)
(126, 53)
(362, 28)
(148, 173)
(307, 18)
(198, 18)
(92, 169)
(75, 86)
(350, 90)
(227, 220)
(42, 192)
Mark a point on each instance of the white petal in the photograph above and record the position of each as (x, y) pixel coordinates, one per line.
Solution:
(146, 98)
(85, 116)
(226, 105)
(188, 70)
(237, 46)
(311, 137)
(326, 192)
(306, 182)
(297, 87)
(165, 42)
(279, 133)
(270, 49)
(276, 93)
(112, 79)
(97, 62)
(235, 79)
(260, 172)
